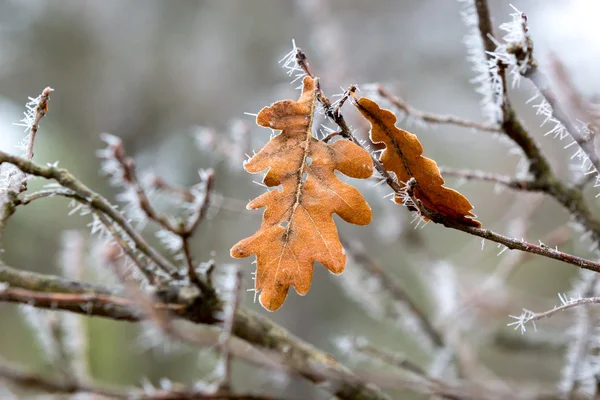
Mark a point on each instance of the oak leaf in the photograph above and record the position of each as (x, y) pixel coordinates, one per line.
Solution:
(298, 227)
(403, 155)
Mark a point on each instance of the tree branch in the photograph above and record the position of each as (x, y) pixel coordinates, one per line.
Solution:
(300, 357)
(93, 199)
(51, 385)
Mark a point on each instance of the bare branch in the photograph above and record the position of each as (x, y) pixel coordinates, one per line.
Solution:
(513, 244)
(504, 180)
(430, 117)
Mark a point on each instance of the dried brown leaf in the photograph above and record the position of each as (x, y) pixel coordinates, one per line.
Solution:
(298, 227)
(404, 156)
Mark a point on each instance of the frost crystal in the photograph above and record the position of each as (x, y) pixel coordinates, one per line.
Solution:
(290, 64)
(487, 80)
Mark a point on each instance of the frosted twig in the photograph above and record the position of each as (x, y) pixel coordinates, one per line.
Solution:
(129, 178)
(528, 316)
(36, 110)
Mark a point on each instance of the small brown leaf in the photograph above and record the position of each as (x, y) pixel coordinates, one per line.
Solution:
(298, 227)
(403, 156)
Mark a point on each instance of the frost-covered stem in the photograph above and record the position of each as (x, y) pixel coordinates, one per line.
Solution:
(17, 184)
(520, 244)
(148, 272)
(539, 79)
(40, 112)
(511, 125)
(513, 244)
(394, 289)
(582, 335)
(530, 316)
(93, 199)
(431, 117)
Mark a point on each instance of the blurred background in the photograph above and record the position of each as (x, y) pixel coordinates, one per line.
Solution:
(174, 79)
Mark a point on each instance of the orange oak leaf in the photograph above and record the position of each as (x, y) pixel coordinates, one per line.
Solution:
(403, 156)
(298, 227)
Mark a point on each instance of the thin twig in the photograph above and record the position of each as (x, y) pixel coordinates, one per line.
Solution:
(504, 180)
(431, 117)
(530, 316)
(39, 112)
(96, 304)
